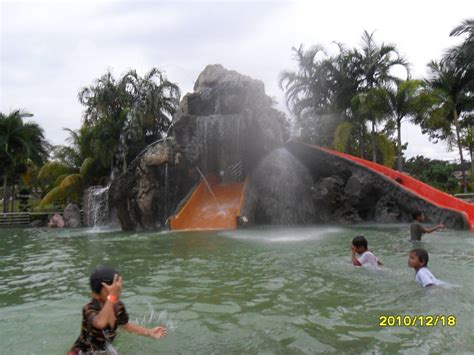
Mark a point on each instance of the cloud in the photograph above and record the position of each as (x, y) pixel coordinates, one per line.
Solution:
(50, 49)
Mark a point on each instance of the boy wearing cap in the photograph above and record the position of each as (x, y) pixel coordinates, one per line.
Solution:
(104, 313)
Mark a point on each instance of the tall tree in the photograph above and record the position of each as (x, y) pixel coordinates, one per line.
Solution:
(450, 101)
(123, 116)
(20, 142)
(323, 87)
(400, 103)
(308, 90)
(463, 56)
(375, 64)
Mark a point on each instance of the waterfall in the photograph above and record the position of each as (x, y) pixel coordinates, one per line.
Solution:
(219, 140)
(98, 206)
(166, 190)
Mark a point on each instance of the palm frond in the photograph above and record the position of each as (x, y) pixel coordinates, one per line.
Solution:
(87, 167)
(51, 170)
(56, 194)
(342, 136)
(71, 182)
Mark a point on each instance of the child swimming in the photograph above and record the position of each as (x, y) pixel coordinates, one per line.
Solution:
(417, 229)
(418, 259)
(361, 256)
(105, 313)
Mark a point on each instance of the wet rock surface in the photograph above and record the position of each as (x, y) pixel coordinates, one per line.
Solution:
(345, 192)
(226, 126)
(229, 127)
(72, 216)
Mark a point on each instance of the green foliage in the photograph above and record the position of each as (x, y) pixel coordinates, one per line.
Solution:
(20, 141)
(87, 168)
(342, 135)
(67, 187)
(22, 144)
(449, 103)
(52, 170)
(396, 103)
(124, 115)
(436, 173)
(387, 148)
(340, 88)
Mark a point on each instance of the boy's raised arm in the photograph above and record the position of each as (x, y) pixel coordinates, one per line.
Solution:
(157, 332)
(106, 316)
(432, 229)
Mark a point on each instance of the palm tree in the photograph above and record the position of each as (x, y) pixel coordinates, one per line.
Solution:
(123, 116)
(374, 63)
(307, 90)
(69, 183)
(398, 104)
(155, 100)
(463, 54)
(450, 100)
(370, 106)
(324, 86)
(20, 142)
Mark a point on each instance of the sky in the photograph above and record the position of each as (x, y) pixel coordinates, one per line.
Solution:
(49, 50)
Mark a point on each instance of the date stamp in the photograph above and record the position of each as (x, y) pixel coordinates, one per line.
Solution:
(417, 320)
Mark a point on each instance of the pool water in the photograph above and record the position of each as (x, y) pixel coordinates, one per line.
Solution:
(266, 290)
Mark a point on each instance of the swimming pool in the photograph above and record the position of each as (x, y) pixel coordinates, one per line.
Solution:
(266, 290)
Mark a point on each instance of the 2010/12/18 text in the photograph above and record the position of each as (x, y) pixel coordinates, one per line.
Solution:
(417, 320)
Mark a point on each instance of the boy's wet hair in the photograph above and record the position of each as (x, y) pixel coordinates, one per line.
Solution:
(359, 241)
(102, 274)
(416, 214)
(422, 255)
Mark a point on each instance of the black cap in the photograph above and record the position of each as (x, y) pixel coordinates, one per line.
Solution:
(102, 274)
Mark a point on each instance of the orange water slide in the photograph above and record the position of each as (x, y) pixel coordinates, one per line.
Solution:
(422, 190)
(206, 210)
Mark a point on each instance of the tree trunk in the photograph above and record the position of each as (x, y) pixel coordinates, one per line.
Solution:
(458, 137)
(471, 151)
(399, 145)
(361, 143)
(5, 202)
(124, 162)
(13, 197)
(374, 152)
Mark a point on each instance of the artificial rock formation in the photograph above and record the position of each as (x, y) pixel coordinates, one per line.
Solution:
(226, 126)
(72, 216)
(346, 192)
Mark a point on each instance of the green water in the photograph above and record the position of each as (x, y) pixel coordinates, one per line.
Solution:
(271, 291)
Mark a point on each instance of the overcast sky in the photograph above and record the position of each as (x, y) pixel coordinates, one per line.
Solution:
(50, 49)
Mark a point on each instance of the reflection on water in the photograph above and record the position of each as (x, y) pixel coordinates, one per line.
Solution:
(287, 290)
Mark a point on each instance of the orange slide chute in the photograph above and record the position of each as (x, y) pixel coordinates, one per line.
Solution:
(422, 190)
(206, 210)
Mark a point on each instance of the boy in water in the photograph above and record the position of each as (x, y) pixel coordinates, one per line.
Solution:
(417, 229)
(418, 259)
(104, 313)
(361, 256)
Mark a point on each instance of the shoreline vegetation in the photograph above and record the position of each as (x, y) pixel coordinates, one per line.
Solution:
(349, 101)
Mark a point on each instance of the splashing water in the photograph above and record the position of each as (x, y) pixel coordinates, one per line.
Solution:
(110, 349)
(155, 319)
(209, 188)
